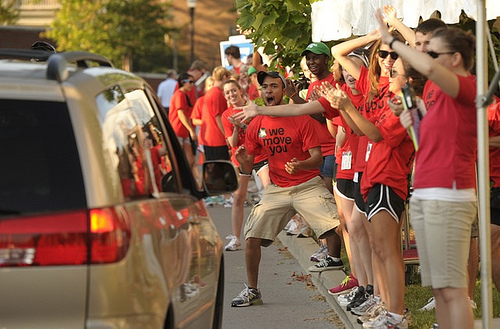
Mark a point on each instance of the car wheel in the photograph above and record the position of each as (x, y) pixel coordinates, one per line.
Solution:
(219, 300)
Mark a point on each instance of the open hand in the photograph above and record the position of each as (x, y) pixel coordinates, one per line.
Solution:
(247, 112)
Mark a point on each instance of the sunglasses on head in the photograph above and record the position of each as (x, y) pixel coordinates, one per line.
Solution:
(385, 53)
(434, 54)
(188, 80)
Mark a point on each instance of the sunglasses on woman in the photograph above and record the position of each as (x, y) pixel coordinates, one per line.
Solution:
(385, 53)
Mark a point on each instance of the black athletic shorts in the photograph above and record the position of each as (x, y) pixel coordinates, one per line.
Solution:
(359, 202)
(257, 166)
(382, 197)
(345, 188)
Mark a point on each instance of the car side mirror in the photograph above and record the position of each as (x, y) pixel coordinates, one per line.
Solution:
(220, 177)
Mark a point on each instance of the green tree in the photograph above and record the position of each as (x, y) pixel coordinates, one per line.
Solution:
(118, 29)
(9, 13)
(282, 27)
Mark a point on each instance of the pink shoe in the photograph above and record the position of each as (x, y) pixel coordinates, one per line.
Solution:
(346, 285)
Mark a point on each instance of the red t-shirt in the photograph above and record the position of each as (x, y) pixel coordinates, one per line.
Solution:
(228, 132)
(253, 92)
(390, 159)
(327, 140)
(368, 110)
(191, 94)
(179, 102)
(196, 114)
(494, 130)
(215, 104)
(346, 157)
(448, 142)
(282, 139)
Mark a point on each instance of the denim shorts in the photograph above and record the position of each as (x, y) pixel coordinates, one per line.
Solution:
(327, 167)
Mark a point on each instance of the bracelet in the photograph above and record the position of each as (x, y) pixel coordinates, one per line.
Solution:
(392, 41)
(245, 175)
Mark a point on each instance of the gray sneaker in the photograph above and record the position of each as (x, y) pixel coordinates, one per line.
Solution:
(247, 297)
(367, 306)
(326, 264)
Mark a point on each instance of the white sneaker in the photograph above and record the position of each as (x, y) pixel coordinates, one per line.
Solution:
(293, 229)
(234, 244)
(320, 254)
(431, 304)
(386, 320)
(228, 203)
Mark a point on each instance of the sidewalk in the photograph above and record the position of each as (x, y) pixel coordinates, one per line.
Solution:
(302, 248)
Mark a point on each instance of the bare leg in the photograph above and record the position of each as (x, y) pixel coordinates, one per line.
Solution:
(386, 247)
(252, 257)
(453, 308)
(473, 266)
(345, 234)
(495, 255)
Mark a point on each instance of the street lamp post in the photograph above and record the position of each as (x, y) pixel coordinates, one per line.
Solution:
(191, 5)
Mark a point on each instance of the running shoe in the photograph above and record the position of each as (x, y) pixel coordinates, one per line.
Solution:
(326, 264)
(346, 285)
(320, 254)
(385, 321)
(247, 297)
(234, 244)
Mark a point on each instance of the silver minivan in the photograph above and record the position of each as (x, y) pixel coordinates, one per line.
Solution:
(102, 224)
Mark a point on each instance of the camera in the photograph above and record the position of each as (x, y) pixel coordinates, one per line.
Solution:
(302, 82)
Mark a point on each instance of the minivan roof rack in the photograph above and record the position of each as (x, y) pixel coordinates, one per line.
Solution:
(57, 63)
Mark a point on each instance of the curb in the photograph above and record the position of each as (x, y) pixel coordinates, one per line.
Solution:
(301, 249)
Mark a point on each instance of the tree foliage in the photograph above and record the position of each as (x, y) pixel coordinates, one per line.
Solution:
(117, 29)
(281, 27)
(8, 12)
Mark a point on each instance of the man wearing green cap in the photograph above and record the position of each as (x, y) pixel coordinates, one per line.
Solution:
(253, 89)
(317, 56)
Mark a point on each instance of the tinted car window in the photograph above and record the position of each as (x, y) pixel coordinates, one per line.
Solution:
(39, 158)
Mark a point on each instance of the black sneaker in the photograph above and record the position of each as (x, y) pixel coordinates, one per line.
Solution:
(247, 297)
(360, 295)
(326, 264)
(357, 302)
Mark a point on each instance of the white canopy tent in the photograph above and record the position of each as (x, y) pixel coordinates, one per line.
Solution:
(339, 19)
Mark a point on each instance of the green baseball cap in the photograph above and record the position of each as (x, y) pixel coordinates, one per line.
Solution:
(251, 70)
(317, 48)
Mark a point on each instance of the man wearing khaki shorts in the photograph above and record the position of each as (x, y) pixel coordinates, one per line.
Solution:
(293, 149)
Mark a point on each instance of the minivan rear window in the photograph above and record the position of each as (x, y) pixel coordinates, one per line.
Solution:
(39, 164)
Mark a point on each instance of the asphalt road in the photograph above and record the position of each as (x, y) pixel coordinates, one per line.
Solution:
(290, 298)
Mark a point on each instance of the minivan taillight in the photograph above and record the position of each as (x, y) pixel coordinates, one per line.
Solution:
(66, 238)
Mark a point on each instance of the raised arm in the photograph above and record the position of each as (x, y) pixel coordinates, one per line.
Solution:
(286, 110)
(391, 18)
(343, 49)
(423, 63)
